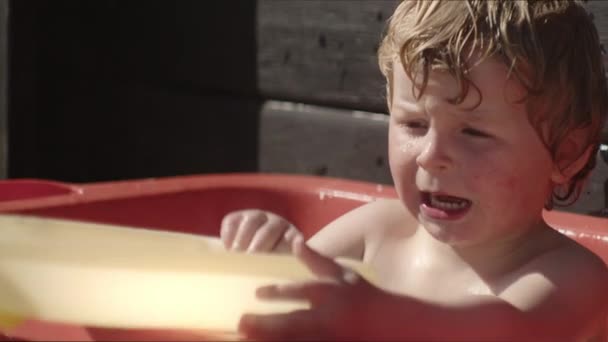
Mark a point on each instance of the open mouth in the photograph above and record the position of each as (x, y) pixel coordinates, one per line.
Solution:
(442, 206)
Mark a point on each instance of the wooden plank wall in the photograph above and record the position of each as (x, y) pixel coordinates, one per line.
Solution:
(189, 86)
(322, 52)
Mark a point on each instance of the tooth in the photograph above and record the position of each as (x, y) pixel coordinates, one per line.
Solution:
(449, 204)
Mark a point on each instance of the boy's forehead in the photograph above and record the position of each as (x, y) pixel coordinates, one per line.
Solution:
(490, 79)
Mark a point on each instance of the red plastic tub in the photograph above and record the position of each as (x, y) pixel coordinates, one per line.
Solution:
(196, 204)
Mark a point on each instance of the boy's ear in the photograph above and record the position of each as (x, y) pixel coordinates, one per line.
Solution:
(572, 155)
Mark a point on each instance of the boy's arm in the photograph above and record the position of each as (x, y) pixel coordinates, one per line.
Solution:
(550, 299)
(558, 296)
(564, 290)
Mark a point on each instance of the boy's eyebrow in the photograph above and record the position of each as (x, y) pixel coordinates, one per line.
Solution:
(407, 105)
(472, 115)
(476, 115)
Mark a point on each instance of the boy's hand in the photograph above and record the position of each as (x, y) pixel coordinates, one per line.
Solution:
(340, 304)
(255, 230)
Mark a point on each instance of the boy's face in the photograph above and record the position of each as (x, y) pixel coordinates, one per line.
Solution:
(469, 174)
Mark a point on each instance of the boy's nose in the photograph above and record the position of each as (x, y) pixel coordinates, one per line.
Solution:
(434, 156)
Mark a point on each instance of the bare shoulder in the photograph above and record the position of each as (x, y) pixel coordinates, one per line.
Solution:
(346, 236)
(575, 267)
(565, 283)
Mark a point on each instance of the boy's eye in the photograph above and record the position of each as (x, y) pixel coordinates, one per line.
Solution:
(415, 124)
(475, 133)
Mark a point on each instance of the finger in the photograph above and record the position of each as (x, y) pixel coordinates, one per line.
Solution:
(267, 237)
(285, 245)
(250, 223)
(321, 266)
(314, 292)
(229, 226)
(291, 233)
(296, 325)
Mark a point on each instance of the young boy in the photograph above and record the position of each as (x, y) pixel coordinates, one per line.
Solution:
(495, 113)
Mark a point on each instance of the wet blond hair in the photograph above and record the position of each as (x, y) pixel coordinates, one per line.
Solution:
(550, 46)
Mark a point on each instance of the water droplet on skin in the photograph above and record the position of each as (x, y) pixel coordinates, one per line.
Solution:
(406, 146)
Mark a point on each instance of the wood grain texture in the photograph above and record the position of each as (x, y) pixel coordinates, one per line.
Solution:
(306, 139)
(160, 64)
(322, 52)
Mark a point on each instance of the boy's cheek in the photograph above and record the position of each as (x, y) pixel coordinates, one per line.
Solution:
(495, 180)
(483, 178)
(508, 184)
(513, 192)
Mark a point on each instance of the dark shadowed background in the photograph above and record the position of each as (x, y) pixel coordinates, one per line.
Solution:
(112, 89)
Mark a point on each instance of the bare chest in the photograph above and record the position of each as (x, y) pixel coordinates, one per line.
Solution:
(419, 274)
